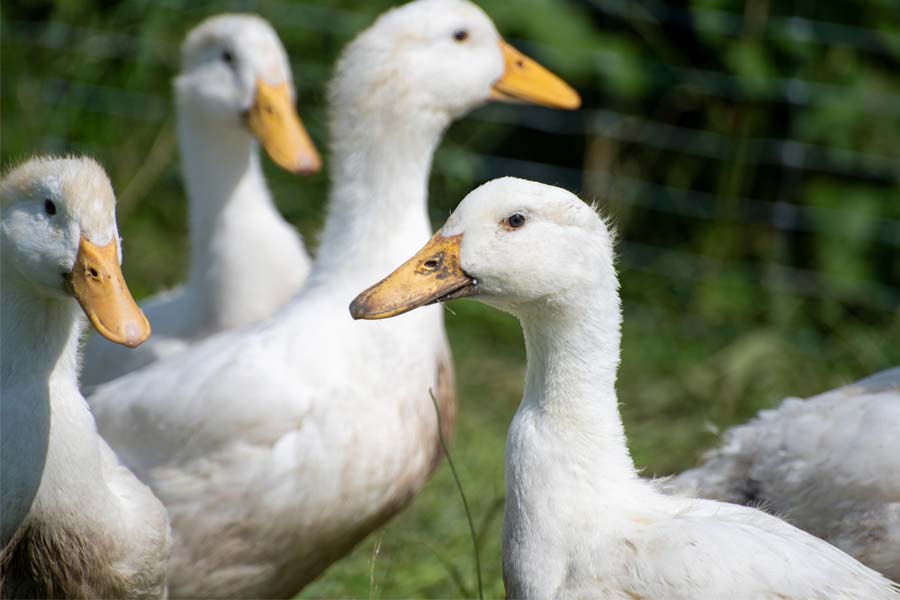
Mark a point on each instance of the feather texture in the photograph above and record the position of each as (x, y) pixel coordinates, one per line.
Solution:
(829, 464)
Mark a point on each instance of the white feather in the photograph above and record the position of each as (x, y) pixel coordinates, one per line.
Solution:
(829, 464)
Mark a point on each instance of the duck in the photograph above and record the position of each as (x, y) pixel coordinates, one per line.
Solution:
(75, 522)
(579, 521)
(277, 447)
(234, 93)
(829, 464)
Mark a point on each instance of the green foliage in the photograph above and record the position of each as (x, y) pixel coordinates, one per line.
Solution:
(748, 158)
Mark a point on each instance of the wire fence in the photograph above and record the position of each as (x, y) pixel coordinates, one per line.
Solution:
(58, 90)
(719, 22)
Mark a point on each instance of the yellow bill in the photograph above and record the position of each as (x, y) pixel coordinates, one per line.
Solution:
(97, 283)
(274, 122)
(525, 80)
(432, 275)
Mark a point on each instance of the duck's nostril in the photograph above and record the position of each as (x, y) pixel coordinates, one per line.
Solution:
(431, 264)
(93, 272)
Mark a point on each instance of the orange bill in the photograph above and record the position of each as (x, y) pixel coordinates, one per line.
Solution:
(432, 275)
(525, 80)
(275, 123)
(97, 283)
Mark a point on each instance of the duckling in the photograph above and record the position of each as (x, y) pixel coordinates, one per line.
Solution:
(75, 522)
(234, 93)
(278, 447)
(579, 521)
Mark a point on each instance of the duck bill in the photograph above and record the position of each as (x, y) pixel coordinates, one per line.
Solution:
(432, 275)
(274, 122)
(97, 283)
(525, 80)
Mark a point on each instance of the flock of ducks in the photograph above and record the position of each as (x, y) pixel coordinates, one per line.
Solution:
(263, 430)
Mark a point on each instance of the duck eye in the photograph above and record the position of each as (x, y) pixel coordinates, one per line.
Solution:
(49, 207)
(515, 220)
(460, 35)
(227, 57)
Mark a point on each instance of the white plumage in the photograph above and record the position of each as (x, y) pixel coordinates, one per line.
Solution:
(246, 260)
(277, 447)
(579, 521)
(829, 464)
(76, 523)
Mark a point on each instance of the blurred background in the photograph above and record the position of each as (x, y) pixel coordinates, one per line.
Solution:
(748, 152)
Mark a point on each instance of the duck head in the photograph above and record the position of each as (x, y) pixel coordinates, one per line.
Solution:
(440, 58)
(235, 73)
(518, 245)
(59, 233)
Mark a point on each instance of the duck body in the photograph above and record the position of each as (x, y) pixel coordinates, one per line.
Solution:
(579, 522)
(263, 506)
(643, 544)
(246, 260)
(298, 445)
(829, 464)
(75, 522)
(270, 479)
(93, 529)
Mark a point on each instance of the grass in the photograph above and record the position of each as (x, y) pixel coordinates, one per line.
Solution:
(476, 551)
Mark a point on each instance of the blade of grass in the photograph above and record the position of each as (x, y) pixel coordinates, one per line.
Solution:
(462, 495)
(493, 511)
(375, 552)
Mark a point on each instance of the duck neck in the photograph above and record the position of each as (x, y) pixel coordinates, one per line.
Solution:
(40, 333)
(39, 336)
(378, 214)
(573, 357)
(225, 184)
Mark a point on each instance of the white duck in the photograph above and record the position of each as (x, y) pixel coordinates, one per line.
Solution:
(580, 522)
(235, 88)
(76, 523)
(829, 464)
(276, 448)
